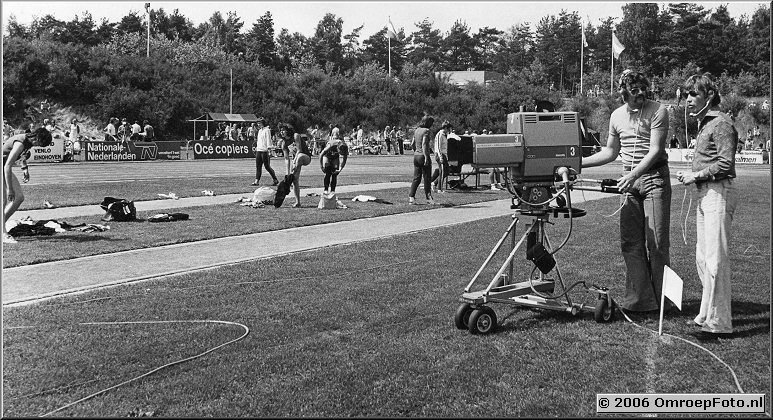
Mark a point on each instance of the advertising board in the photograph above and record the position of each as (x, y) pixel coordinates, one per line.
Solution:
(105, 151)
(222, 150)
(54, 152)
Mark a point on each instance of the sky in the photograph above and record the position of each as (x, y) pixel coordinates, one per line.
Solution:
(303, 16)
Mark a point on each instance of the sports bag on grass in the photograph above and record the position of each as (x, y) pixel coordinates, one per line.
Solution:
(118, 209)
(283, 189)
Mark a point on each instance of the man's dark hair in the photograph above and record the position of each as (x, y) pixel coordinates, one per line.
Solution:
(42, 136)
(426, 121)
(632, 78)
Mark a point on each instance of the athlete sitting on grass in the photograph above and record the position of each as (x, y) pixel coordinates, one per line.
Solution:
(14, 148)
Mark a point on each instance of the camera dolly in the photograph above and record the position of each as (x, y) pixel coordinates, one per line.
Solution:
(536, 291)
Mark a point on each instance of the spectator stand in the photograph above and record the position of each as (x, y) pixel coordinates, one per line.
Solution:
(212, 119)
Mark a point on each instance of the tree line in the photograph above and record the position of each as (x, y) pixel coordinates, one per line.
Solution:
(333, 77)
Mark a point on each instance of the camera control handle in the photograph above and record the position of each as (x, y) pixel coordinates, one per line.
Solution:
(563, 171)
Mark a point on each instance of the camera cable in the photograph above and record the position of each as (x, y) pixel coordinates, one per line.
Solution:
(732, 372)
(246, 332)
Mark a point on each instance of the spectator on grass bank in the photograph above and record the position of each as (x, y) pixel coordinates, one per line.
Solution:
(713, 173)
(262, 152)
(332, 160)
(147, 132)
(75, 130)
(316, 137)
(49, 125)
(441, 157)
(302, 158)
(252, 130)
(360, 136)
(286, 142)
(674, 142)
(136, 129)
(765, 105)
(335, 131)
(110, 130)
(749, 143)
(400, 134)
(422, 163)
(15, 148)
(124, 130)
(637, 132)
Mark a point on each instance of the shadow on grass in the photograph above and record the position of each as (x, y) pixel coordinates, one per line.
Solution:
(536, 318)
(749, 318)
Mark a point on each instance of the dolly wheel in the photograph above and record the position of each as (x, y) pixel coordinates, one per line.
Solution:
(604, 311)
(462, 317)
(482, 320)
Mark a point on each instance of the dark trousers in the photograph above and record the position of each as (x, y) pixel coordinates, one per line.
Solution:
(420, 171)
(330, 167)
(263, 160)
(441, 171)
(645, 222)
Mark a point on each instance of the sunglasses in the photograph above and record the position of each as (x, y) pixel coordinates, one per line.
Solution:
(636, 91)
(690, 93)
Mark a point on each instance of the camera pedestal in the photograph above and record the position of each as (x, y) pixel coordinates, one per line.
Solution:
(539, 292)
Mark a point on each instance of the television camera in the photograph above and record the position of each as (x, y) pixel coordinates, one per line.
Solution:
(541, 154)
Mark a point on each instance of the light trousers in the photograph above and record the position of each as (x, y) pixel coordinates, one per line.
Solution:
(717, 202)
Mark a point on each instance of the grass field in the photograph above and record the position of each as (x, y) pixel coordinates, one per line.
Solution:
(366, 329)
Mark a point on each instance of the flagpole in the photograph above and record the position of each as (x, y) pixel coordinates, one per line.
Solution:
(582, 56)
(389, 53)
(662, 302)
(147, 10)
(612, 74)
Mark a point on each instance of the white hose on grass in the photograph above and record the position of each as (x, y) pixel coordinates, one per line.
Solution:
(732, 372)
(246, 332)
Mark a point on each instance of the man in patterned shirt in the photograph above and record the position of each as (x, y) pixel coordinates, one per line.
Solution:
(713, 173)
(637, 132)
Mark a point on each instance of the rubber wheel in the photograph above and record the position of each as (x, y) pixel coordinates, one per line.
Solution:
(482, 321)
(604, 312)
(462, 317)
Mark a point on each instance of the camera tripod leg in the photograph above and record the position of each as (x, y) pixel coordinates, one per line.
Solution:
(559, 278)
(510, 229)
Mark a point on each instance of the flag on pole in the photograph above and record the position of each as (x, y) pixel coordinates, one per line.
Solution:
(672, 289)
(391, 31)
(617, 46)
(672, 286)
(584, 41)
